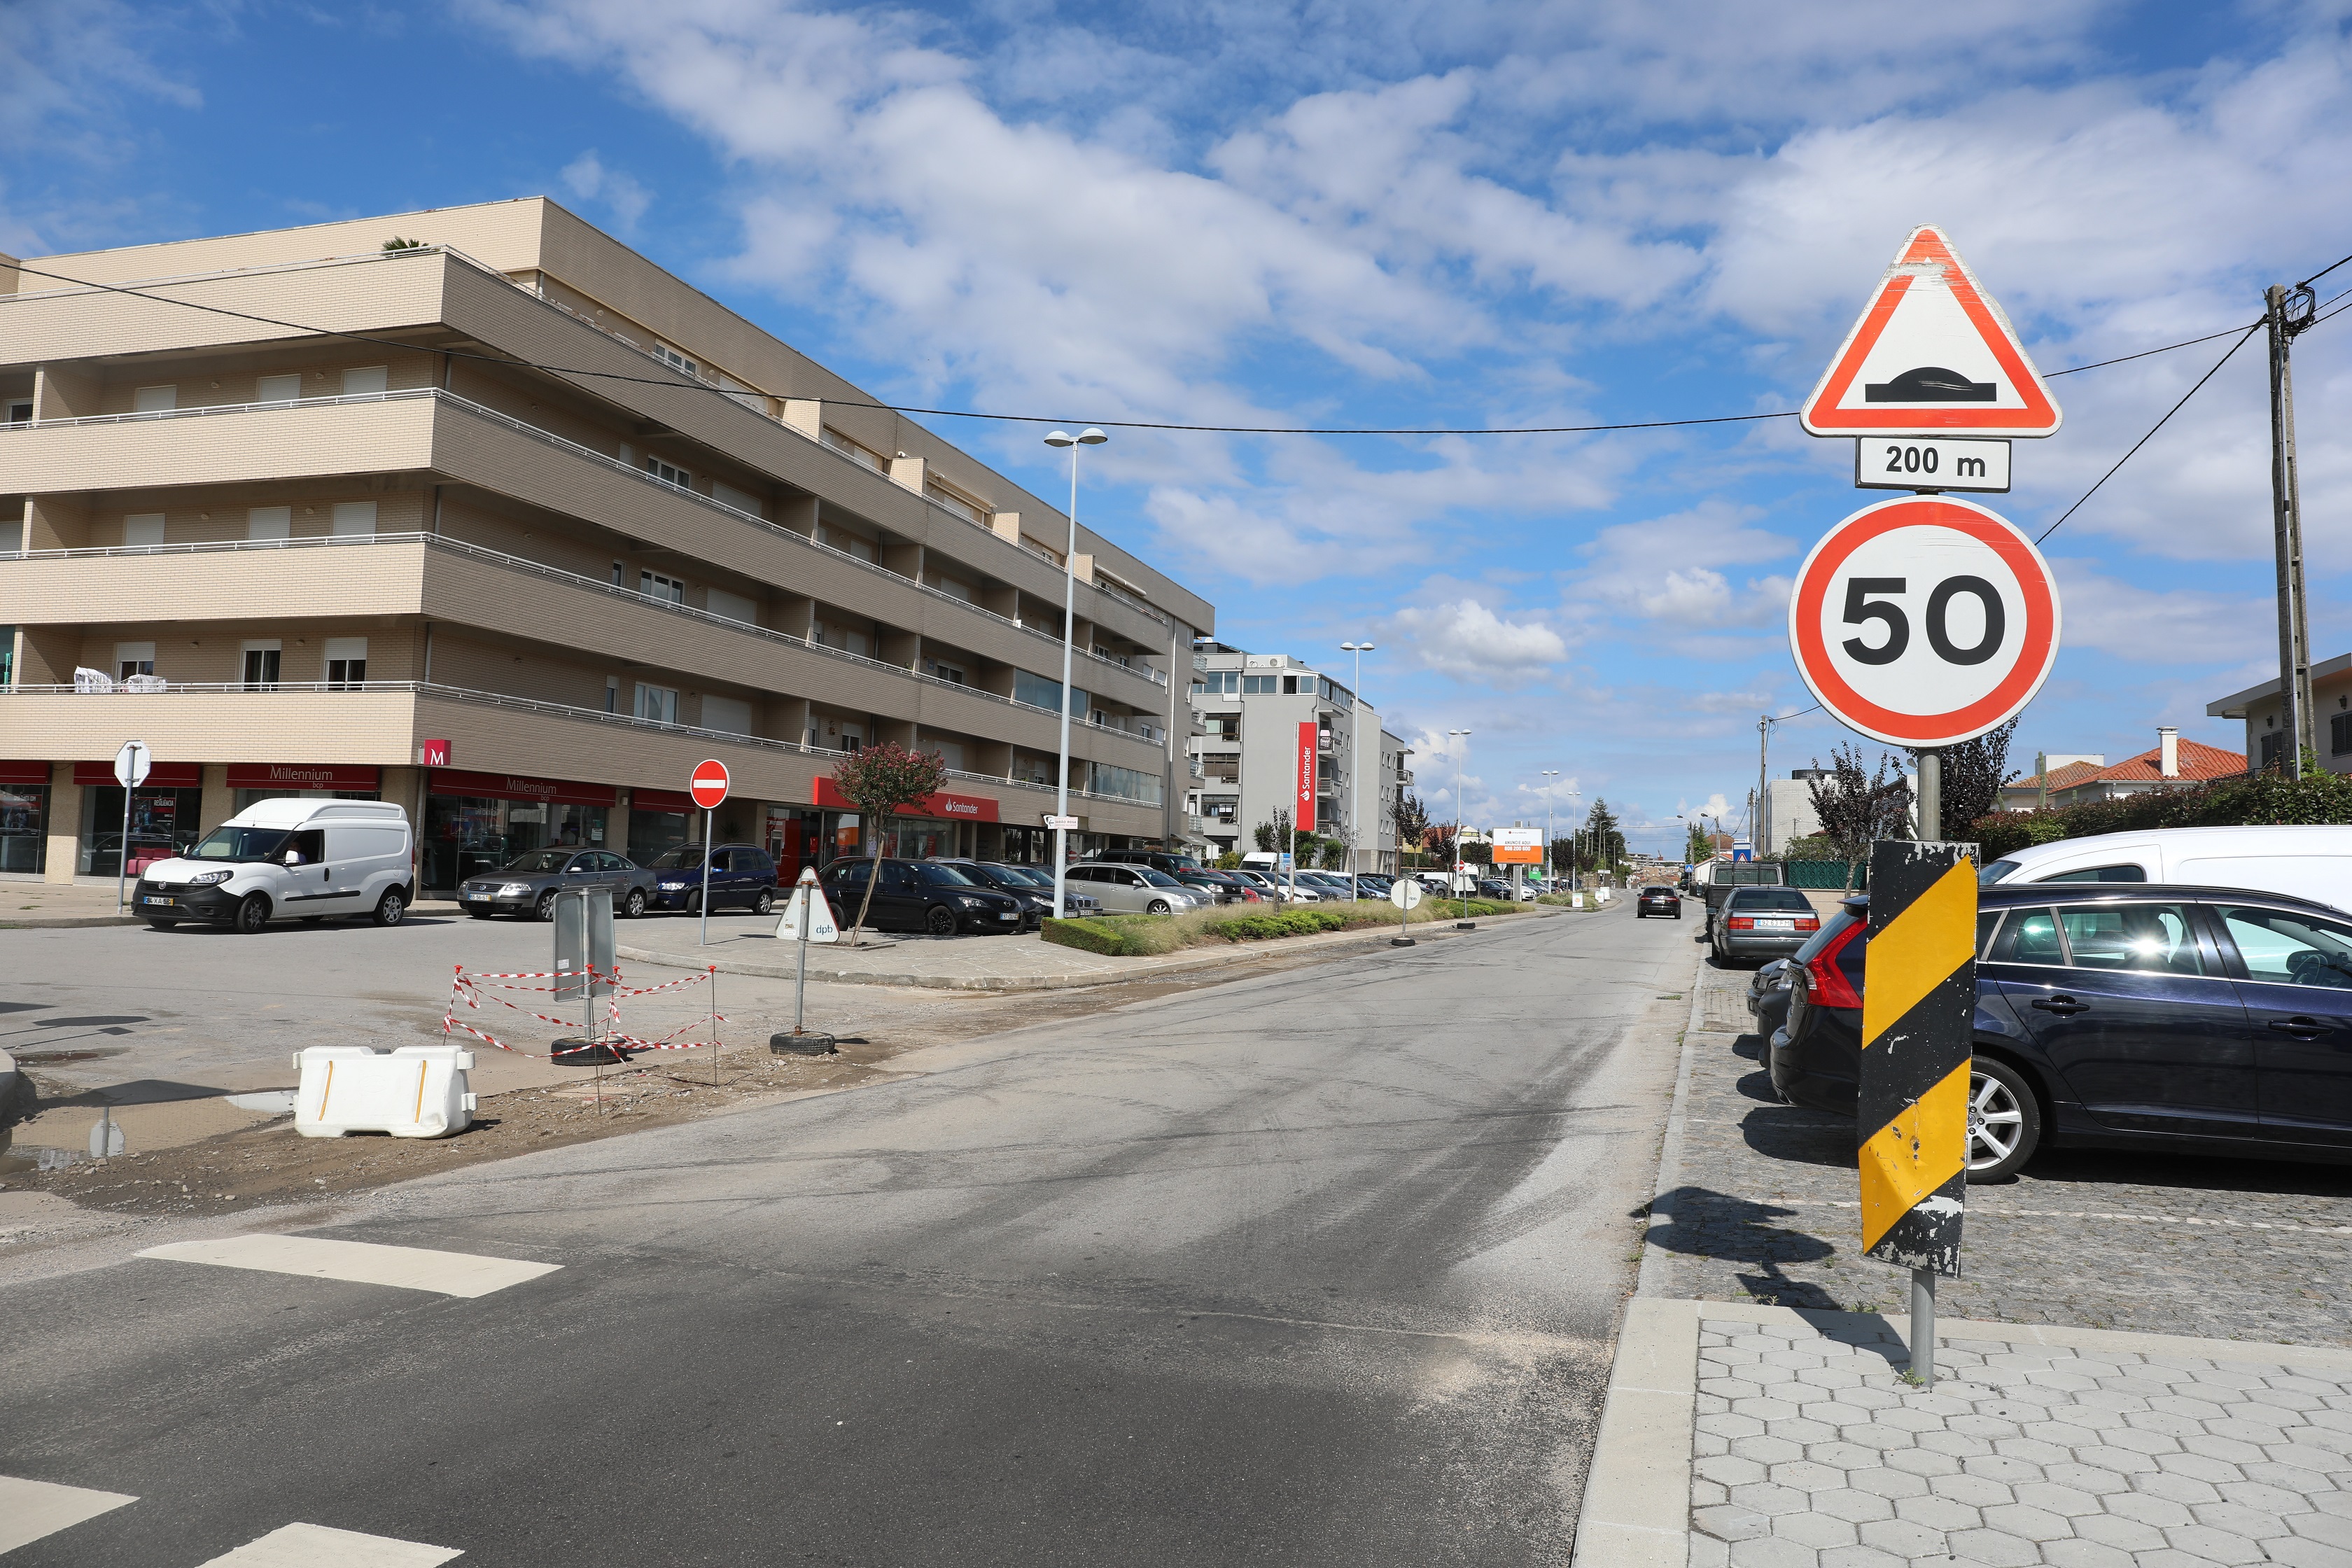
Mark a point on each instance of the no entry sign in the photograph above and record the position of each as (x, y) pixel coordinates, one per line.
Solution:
(708, 785)
(1923, 621)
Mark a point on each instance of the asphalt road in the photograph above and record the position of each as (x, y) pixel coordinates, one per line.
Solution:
(1320, 1266)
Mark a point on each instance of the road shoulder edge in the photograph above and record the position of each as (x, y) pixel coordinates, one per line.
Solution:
(1637, 1493)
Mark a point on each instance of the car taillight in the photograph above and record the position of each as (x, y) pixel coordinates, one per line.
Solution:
(1830, 987)
(1809, 922)
(1742, 922)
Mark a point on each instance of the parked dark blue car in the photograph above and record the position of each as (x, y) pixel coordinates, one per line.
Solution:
(2117, 1015)
(742, 877)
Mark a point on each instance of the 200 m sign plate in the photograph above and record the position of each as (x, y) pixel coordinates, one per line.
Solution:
(1928, 463)
(1923, 621)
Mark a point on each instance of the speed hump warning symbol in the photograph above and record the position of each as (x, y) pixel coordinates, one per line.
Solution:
(1925, 621)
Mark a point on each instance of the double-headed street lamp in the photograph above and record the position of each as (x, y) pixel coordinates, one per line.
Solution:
(1548, 774)
(1356, 754)
(1089, 436)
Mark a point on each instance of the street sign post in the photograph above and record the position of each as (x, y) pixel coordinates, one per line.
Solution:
(131, 764)
(1405, 894)
(807, 918)
(1925, 621)
(1932, 354)
(709, 786)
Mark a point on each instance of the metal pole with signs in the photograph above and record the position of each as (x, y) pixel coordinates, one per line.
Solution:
(131, 765)
(808, 918)
(1404, 894)
(708, 787)
(1924, 622)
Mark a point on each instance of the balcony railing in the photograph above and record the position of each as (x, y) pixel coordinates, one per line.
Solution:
(459, 547)
(513, 704)
(588, 454)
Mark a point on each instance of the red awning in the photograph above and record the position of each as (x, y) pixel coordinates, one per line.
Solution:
(949, 807)
(660, 800)
(23, 772)
(160, 775)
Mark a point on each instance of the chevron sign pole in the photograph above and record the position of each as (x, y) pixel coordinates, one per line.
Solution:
(1919, 1004)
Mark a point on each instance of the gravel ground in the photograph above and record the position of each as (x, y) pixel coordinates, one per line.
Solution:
(1764, 1207)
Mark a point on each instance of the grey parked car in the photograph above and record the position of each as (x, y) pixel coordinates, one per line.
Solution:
(1763, 922)
(526, 885)
(1135, 889)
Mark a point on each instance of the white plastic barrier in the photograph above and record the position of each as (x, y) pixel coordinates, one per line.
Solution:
(416, 1091)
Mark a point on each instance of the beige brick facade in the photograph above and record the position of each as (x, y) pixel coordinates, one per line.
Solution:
(543, 489)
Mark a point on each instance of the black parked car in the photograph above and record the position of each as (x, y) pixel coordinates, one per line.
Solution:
(741, 877)
(526, 885)
(2140, 1016)
(921, 895)
(1658, 899)
(1030, 886)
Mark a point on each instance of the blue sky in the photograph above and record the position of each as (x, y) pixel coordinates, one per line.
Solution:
(1453, 213)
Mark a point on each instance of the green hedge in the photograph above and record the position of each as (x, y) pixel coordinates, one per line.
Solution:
(1140, 936)
(2265, 799)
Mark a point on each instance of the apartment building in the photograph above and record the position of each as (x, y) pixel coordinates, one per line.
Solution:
(2261, 708)
(1248, 708)
(477, 511)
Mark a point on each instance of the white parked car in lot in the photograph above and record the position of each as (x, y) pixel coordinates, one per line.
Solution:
(287, 859)
(1134, 889)
(2303, 862)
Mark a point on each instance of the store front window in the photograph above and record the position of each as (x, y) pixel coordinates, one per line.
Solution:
(24, 827)
(163, 823)
(918, 838)
(476, 822)
(1028, 845)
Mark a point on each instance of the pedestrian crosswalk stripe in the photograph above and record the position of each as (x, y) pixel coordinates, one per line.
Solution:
(359, 1262)
(31, 1509)
(316, 1546)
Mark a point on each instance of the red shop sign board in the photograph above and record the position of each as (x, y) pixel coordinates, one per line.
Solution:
(659, 800)
(23, 772)
(952, 808)
(514, 787)
(1306, 750)
(163, 775)
(302, 776)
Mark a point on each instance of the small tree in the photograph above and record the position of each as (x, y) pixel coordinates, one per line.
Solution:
(1857, 809)
(882, 781)
(1973, 775)
(1697, 848)
(396, 243)
(1274, 837)
(1334, 854)
(1604, 838)
(1412, 819)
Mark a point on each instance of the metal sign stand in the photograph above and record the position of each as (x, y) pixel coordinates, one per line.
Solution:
(131, 764)
(705, 938)
(800, 1042)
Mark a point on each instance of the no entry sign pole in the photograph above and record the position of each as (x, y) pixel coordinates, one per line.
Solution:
(708, 787)
(130, 767)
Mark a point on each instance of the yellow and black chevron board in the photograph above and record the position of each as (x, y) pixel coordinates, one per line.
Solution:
(1919, 1004)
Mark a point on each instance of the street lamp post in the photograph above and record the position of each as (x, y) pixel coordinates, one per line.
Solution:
(1089, 436)
(1356, 758)
(1453, 872)
(1548, 774)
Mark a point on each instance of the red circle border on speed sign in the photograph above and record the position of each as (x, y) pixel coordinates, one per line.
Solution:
(2037, 651)
(709, 784)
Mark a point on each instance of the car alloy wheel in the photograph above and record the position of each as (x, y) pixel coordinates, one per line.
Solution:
(2004, 1120)
(390, 907)
(545, 909)
(253, 913)
(633, 906)
(1159, 906)
(940, 920)
(764, 904)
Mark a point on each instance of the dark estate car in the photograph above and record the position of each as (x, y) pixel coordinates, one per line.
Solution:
(741, 876)
(1658, 899)
(2150, 1016)
(1031, 885)
(1762, 923)
(526, 885)
(921, 895)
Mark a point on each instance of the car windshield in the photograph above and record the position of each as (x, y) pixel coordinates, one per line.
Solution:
(538, 861)
(677, 856)
(940, 875)
(1747, 899)
(1026, 874)
(1156, 878)
(238, 843)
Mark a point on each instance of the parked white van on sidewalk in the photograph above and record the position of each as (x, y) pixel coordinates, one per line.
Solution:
(287, 859)
(2306, 861)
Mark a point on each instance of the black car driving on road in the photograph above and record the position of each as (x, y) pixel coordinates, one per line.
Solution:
(928, 895)
(2134, 1015)
(1658, 899)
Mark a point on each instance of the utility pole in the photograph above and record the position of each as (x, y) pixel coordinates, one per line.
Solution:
(1763, 787)
(2289, 312)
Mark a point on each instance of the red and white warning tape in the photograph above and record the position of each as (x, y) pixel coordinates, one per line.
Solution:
(472, 991)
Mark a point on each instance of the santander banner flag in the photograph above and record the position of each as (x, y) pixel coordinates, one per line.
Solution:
(1304, 813)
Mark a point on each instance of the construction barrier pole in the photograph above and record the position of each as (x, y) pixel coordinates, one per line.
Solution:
(1912, 1105)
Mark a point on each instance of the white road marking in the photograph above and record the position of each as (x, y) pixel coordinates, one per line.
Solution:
(359, 1262)
(31, 1509)
(316, 1546)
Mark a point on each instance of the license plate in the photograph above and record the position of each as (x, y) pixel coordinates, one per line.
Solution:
(150, 898)
(1008, 916)
(477, 898)
(1776, 925)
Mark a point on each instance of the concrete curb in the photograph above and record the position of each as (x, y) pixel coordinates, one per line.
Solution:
(1220, 958)
(1669, 1148)
(73, 922)
(1637, 1495)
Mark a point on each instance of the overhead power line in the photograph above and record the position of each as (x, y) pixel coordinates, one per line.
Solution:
(513, 362)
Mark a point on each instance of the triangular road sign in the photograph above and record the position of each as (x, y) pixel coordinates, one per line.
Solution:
(1932, 355)
(821, 925)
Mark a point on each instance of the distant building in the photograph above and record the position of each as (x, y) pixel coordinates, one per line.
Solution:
(1789, 810)
(2060, 770)
(2171, 763)
(2259, 706)
(1248, 708)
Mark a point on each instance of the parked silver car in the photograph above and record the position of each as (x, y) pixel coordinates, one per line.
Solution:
(1135, 889)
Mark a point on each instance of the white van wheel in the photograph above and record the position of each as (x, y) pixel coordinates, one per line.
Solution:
(252, 914)
(390, 907)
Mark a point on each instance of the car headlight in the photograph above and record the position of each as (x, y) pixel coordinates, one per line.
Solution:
(209, 879)
(971, 903)
(514, 889)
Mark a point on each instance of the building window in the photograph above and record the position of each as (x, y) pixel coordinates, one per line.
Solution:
(346, 662)
(366, 381)
(658, 703)
(269, 522)
(946, 672)
(620, 576)
(155, 399)
(354, 519)
(849, 448)
(2271, 747)
(262, 665)
(653, 586)
(8, 656)
(669, 474)
(1261, 685)
(674, 360)
(612, 694)
(278, 388)
(21, 412)
(133, 658)
(143, 529)
(2340, 733)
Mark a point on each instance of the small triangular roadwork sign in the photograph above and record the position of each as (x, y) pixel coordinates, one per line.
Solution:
(821, 923)
(1932, 355)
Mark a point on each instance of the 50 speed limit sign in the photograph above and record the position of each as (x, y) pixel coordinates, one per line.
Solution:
(1925, 621)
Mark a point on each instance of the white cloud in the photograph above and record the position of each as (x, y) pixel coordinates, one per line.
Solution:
(1466, 639)
(2160, 627)
(588, 178)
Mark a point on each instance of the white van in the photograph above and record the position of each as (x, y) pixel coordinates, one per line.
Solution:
(2306, 862)
(288, 859)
